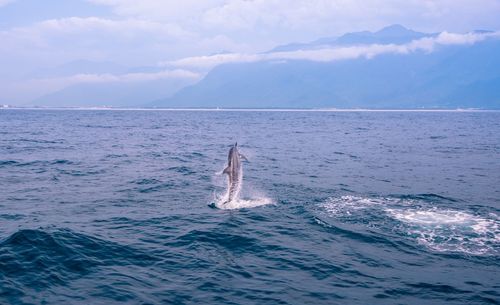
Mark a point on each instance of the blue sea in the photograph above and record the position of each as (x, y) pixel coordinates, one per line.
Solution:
(337, 207)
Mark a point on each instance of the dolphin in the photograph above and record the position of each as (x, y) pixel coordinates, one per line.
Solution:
(234, 172)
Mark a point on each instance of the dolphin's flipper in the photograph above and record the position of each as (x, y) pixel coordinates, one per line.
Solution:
(244, 158)
(227, 170)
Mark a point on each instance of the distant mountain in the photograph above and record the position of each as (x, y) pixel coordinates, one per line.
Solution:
(104, 93)
(453, 76)
(396, 34)
(79, 67)
(114, 94)
(459, 76)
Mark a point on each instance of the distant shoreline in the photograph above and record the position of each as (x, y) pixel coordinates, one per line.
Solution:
(251, 109)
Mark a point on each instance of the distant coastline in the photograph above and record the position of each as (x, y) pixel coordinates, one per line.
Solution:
(257, 109)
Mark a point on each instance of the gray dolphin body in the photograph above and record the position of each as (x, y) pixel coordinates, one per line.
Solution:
(235, 173)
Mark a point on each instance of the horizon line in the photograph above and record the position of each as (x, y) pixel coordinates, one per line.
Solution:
(255, 109)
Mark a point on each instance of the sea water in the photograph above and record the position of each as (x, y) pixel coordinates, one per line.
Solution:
(357, 207)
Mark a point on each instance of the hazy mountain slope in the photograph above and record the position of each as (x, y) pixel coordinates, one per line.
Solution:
(450, 77)
(120, 94)
(392, 34)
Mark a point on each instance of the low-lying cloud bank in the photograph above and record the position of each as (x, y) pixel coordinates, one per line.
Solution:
(329, 54)
(29, 89)
(129, 77)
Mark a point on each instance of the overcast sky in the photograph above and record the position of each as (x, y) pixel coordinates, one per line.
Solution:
(37, 34)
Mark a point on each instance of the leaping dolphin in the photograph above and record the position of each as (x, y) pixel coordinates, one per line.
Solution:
(234, 172)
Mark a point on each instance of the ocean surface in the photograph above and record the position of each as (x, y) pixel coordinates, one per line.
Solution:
(360, 207)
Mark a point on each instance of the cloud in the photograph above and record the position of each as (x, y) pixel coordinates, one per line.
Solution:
(122, 78)
(26, 90)
(5, 2)
(259, 25)
(136, 77)
(79, 25)
(313, 16)
(427, 44)
(207, 62)
(143, 32)
(159, 10)
(55, 41)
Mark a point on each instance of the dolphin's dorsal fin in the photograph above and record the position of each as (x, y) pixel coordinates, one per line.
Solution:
(242, 156)
(227, 170)
(235, 144)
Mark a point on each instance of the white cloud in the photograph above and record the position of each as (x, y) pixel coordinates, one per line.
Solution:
(129, 77)
(128, 41)
(313, 16)
(5, 2)
(259, 25)
(143, 32)
(427, 44)
(159, 10)
(207, 62)
(79, 25)
(19, 92)
(446, 38)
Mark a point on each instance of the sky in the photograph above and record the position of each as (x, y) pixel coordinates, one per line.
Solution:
(37, 36)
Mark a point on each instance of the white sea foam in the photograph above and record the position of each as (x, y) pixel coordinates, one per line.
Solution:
(252, 197)
(433, 217)
(348, 205)
(443, 230)
(243, 203)
(255, 199)
(450, 230)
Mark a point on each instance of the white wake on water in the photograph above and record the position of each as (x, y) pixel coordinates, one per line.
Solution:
(450, 230)
(439, 229)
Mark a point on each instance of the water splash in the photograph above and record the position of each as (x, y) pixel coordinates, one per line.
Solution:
(254, 199)
(230, 199)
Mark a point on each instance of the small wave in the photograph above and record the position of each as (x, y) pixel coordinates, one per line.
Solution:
(35, 163)
(12, 216)
(146, 181)
(37, 258)
(182, 170)
(39, 141)
(218, 238)
(8, 162)
(437, 137)
(155, 187)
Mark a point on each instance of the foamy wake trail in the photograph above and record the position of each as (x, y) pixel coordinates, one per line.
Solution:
(450, 230)
(439, 229)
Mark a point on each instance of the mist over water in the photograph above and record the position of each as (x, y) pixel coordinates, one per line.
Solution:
(107, 207)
